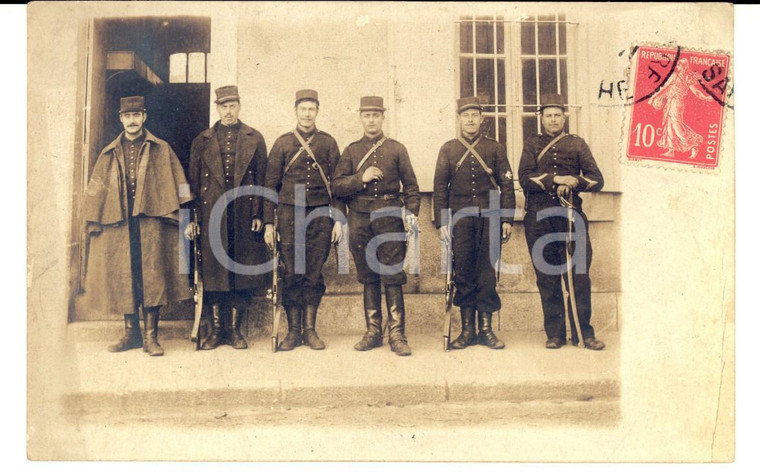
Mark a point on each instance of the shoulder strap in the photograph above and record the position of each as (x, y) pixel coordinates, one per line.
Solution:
(551, 143)
(305, 146)
(471, 149)
(371, 150)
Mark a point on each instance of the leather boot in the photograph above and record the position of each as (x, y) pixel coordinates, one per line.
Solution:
(215, 339)
(293, 339)
(467, 337)
(132, 338)
(150, 337)
(486, 336)
(373, 316)
(310, 337)
(237, 340)
(394, 299)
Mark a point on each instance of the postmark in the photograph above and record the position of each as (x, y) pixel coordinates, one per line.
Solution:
(680, 98)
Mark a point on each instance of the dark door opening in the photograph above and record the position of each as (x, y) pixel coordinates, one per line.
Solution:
(160, 58)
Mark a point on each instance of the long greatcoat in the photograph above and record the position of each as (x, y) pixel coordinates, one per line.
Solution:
(206, 177)
(161, 189)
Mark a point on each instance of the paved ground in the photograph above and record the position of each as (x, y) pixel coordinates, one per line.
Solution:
(256, 405)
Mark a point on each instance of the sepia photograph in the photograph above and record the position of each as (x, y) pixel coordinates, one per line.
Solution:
(380, 231)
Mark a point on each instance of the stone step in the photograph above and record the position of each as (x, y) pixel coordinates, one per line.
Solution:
(344, 314)
(338, 376)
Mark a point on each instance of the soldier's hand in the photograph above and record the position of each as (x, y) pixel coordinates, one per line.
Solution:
(445, 234)
(564, 191)
(567, 180)
(506, 231)
(337, 233)
(372, 173)
(269, 236)
(256, 225)
(192, 231)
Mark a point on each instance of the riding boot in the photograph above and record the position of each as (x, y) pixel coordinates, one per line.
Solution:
(215, 339)
(373, 316)
(467, 337)
(293, 339)
(150, 337)
(132, 338)
(394, 299)
(310, 337)
(486, 337)
(237, 340)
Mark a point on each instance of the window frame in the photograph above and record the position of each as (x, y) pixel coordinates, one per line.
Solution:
(513, 108)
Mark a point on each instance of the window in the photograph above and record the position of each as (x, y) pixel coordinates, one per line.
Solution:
(187, 68)
(509, 65)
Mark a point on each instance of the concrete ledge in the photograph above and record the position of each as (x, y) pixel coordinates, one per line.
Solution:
(338, 376)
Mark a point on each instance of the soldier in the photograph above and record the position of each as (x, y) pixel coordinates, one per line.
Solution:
(553, 165)
(131, 213)
(300, 165)
(229, 156)
(468, 169)
(370, 176)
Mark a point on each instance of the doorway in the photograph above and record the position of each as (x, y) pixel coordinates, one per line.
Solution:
(163, 59)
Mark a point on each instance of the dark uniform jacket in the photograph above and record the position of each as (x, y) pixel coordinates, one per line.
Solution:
(393, 159)
(160, 190)
(569, 156)
(302, 171)
(469, 186)
(207, 181)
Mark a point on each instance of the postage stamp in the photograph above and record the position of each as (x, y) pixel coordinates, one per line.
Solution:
(679, 100)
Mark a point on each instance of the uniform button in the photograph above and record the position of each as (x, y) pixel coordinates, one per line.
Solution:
(206, 175)
(205, 188)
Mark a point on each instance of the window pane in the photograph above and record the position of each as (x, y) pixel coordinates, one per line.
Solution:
(527, 37)
(500, 36)
(562, 38)
(530, 126)
(487, 128)
(529, 83)
(485, 83)
(465, 77)
(178, 68)
(465, 37)
(500, 81)
(502, 130)
(547, 73)
(547, 38)
(484, 35)
(563, 76)
(196, 67)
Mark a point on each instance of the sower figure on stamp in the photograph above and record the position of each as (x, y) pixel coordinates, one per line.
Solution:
(131, 212)
(556, 166)
(299, 169)
(370, 176)
(469, 168)
(226, 162)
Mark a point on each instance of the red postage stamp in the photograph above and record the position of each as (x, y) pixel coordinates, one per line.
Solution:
(679, 100)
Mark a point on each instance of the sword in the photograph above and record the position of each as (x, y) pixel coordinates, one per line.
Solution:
(568, 260)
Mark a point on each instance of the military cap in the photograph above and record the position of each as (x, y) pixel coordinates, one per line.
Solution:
(226, 94)
(307, 94)
(551, 100)
(371, 104)
(128, 104)
(466, 103)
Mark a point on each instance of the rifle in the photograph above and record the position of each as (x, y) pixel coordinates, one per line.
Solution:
(568, 260)
(197, 287)
(448, 290)
(273, 294)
